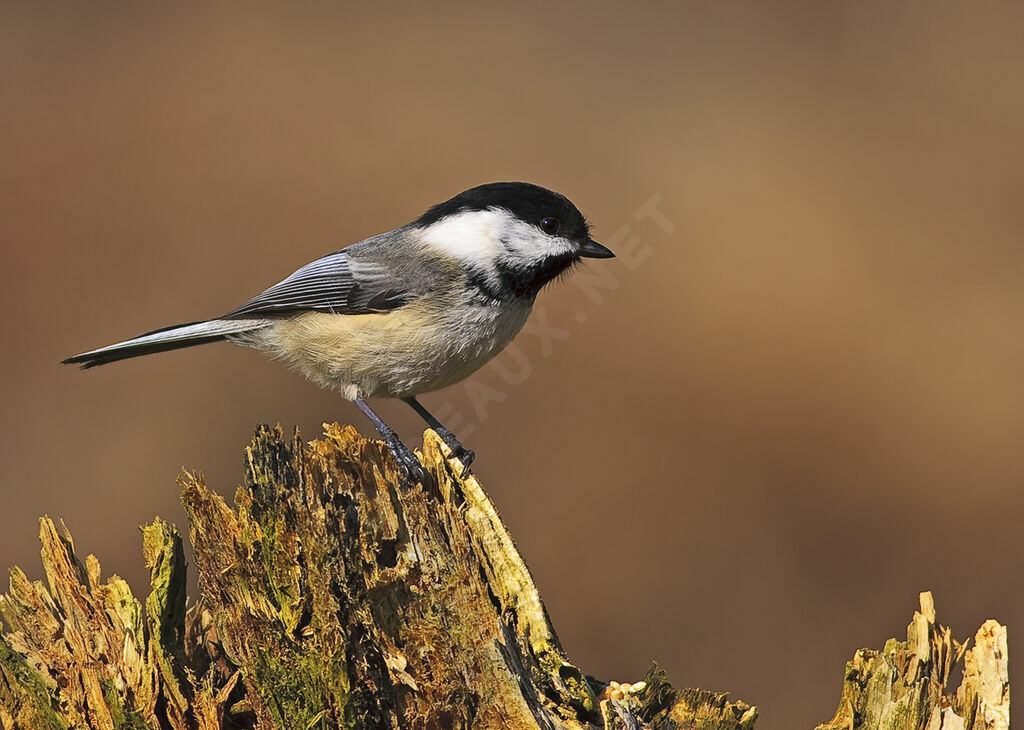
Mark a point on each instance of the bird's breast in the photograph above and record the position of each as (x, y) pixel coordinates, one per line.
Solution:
(421, 347)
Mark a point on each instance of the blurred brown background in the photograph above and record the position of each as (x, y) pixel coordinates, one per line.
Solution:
(796, 404)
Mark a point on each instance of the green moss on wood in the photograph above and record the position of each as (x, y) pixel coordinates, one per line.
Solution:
(333, 596)
(26, 696)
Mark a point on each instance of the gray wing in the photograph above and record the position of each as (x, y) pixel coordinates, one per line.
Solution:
(337, 284)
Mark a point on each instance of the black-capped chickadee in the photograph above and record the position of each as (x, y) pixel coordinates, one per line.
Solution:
(405, 312)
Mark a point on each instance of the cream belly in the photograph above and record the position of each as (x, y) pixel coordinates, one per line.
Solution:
(415, 349)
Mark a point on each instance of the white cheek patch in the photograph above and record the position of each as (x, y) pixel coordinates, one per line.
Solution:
(483, 238)
(473, 236)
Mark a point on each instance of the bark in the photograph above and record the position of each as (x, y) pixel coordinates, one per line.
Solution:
(333, 596)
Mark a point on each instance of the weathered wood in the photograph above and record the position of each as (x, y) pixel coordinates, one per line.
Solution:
(86, 653)
(333, 596)
(906, 685)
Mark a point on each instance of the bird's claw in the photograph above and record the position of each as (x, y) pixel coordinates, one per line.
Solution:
(410, 466)
(459, 451)
(466, 456)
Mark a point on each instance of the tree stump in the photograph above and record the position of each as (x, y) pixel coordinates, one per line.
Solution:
(333, 596)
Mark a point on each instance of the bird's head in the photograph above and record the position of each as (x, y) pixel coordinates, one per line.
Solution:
(513, 236)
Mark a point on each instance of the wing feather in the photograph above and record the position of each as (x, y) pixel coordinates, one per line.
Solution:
(335, 284)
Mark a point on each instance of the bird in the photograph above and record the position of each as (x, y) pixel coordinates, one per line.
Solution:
(406, 312)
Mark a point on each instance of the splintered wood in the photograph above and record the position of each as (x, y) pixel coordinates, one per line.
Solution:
(333, 596)
(906, 684)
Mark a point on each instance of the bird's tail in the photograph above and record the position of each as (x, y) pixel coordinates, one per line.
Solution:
(168, 338)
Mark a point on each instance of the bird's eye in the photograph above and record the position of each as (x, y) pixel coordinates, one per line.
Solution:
(550, 226)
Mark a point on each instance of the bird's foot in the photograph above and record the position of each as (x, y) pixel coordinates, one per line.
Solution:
(410, 466)
(459, 451)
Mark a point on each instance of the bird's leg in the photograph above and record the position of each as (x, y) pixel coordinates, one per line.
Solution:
(458, 450)
(411, 467)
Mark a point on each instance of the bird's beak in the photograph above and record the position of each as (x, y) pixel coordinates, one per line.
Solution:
(594, 250)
